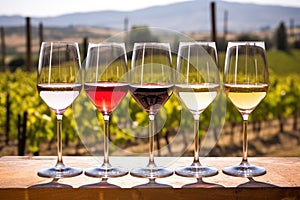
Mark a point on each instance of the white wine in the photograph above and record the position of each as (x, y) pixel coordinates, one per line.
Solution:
(246, 97)
(197, 97)
(59, 96)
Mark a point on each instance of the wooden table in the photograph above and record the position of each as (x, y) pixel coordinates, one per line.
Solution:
(19, 180)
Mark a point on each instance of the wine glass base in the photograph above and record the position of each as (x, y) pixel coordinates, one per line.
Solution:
(152, 172)
(57, 172)
(106, 172)
(244, 170)
(196, 170)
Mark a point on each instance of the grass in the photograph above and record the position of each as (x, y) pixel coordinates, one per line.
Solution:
(284, 63)
(280, 63)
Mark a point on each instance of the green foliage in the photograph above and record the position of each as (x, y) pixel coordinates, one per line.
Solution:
(247, 37)
(296, 44)
(283, 63)
(23, 96)
(141, 34)
(16, 62)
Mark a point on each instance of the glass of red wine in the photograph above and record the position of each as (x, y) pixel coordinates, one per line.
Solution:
(59, 84)
(106, 85)
(197, 85)
(151, 85)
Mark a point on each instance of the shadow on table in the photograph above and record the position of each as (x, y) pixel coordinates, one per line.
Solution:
(53, 184)
(102, 184)
(153, 184)
(254, 183)
(202, 184)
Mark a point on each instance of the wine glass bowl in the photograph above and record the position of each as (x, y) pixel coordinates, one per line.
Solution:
(245, 85)
(59, 84)
(197, 85)
(151, 85)
(106, 85)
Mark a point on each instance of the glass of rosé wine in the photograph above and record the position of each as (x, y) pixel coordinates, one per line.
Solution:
(106, 85)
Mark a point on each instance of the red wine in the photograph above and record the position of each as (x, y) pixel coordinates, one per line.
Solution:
(151, 97)
(106, 95)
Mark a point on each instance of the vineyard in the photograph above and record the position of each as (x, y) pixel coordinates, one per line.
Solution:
(24, 115)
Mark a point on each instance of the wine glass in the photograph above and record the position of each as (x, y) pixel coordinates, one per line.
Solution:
(197, 85)
(106, 85)
(59, 84)
(151, 85)
(245, 85)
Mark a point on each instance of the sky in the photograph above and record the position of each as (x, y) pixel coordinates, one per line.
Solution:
(46, 8)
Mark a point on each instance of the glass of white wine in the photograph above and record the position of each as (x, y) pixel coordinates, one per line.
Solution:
(197, 85)
(59, 84)
(246, 84)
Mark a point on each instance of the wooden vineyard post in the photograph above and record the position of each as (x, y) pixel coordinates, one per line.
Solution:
(28, 45)
(41, 33)
(7, 127)
(22, 126)
(213, 22)
(3, 49)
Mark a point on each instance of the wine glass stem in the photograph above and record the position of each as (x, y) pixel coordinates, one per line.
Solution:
(196, 139)
(106, 139)
(151, 139)
(59, 139)
(245, 139)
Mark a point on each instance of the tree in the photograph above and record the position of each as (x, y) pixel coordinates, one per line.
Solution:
(141, 34)
(296, 44)
(281, 37)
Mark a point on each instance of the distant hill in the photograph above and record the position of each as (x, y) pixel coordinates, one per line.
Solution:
(184, 16)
